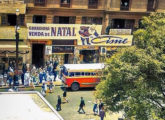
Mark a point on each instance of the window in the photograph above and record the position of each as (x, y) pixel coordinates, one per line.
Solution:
(77, 74)
(93, 74)
(11, 20)
(71, 74)
(4, 19)
(92, 20)
(21, 19)
(152, 4)
(124, 5)
(64, 20)
(39, 3)
(82, 73)
(65, 3)
(39, 19)
(87, 73)
(92, 4)
(123, 23)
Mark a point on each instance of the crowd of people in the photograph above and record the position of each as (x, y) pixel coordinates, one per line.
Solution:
(29, 75)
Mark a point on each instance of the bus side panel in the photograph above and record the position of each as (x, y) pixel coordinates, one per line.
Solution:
(84, 81)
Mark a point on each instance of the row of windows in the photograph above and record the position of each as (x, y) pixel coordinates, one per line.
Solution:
(114, 23)
(93, 4)
(10, 20)
(78, 74)
(66, 3)
(68, 20)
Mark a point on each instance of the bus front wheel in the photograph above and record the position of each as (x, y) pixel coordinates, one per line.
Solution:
(75, 86)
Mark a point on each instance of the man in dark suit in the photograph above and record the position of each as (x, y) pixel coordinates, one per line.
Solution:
(82, 104)
(58, 103)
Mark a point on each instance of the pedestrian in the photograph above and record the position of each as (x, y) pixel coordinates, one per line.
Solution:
(44, 89)
(55, 64)
(24, 69)
(40, 75)
(95, 108)
(10, 76)
(58, 103)
(100, 105)
(51, 86)
(27, 78)
(102, 113)
(64, 95)
(15, 79)
(44, 75)
(82, 104)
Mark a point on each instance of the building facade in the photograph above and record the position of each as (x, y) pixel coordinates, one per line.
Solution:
(117, 15)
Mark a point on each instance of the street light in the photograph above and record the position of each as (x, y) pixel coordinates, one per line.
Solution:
(17, 38)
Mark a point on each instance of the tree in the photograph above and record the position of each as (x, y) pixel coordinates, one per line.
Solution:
(134, 77)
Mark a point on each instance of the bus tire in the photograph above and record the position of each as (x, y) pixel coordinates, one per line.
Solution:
(75, 86)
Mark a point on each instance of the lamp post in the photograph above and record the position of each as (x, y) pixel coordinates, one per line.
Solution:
(17, 39)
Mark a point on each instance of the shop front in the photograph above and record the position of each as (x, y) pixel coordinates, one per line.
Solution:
(7, 56)
(63, 39)
(89, 54)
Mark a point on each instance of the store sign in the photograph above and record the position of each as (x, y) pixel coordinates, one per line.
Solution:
(61, 31)
(108, 40)
(120, 31)
(62, 49)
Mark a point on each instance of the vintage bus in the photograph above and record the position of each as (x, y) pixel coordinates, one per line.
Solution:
(78, 76)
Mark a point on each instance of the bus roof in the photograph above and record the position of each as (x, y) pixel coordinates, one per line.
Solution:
(79, 67)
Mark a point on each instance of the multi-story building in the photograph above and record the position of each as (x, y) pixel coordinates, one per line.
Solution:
(111, 14)
(8, 21)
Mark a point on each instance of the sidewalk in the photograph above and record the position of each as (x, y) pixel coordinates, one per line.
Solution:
(58, 82)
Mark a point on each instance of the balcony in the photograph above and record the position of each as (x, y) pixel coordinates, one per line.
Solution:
(39, 2)
(124, 8)
(65, 5)
(92, 6)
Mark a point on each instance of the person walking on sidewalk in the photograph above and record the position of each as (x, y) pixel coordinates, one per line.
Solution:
(102, 113)
(101, 104)
(82, 104)
(64, 96)
(58, 103)
(95, 108)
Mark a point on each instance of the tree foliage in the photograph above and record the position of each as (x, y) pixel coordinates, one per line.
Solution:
(134, 77)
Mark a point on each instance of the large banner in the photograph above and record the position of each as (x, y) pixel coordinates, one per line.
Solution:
(86, 35)
(107, 40)
(61, 31)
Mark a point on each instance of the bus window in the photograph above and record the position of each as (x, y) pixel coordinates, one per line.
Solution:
(71, 74)
(87, 73)
(93, 73)
(82, 73)
(77, 73)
